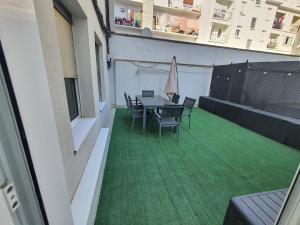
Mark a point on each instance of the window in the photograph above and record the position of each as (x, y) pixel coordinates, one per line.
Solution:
(97, 48)
(288, 40)
(253, 23)
(67, 54)
(243, 6)
(219, 32)
(71, 89)
(269, 14)
(248, 44)
(258, 3)
(263, 35)
(238, 31)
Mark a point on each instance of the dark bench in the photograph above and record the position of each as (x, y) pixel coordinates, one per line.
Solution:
(280, 128)
(255, 209)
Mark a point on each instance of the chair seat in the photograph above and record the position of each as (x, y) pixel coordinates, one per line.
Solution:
(168, 122)
(138, 114)
(137, 106)
(186, 112)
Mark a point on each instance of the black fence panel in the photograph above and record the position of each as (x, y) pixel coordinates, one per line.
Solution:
(269, 86)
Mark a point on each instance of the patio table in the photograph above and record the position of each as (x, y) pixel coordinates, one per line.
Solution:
(152, 102)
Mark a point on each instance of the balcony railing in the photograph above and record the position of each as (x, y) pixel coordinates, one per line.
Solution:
(277, 25)
(294, 28)
(272, 45)
(222, 14)
(219, 39)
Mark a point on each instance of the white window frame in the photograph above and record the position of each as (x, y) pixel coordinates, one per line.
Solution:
(60, 8)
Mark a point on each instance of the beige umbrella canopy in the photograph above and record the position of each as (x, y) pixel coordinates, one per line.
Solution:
(172, 86)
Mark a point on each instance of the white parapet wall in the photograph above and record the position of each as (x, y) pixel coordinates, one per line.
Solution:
(133, 77)
(143, 63)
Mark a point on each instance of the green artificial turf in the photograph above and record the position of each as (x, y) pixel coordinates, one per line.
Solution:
(190, 181)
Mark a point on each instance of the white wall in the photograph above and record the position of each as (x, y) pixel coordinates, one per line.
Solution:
(22, 48)
(133, 77)
(195, 64)
(85, 28)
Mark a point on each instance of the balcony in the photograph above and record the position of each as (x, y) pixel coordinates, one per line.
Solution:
(272, 45)
(277, 26)
(218, 38)
(178, 11)
(278, 21)
(222, 14)
(294, 28)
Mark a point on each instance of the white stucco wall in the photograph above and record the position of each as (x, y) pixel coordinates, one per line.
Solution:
(86, 31)
(133, 77)
(28, 36)
(143, 63)
(22, 48)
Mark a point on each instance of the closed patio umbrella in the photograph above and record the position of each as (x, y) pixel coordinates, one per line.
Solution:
(172, 86)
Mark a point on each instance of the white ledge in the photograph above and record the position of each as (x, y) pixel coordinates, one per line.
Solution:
(81, 131)
(81, 205)
(102, 105)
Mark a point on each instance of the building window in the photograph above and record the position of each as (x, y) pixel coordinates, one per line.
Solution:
(243, 6)
(71, 90)
(248, 44)
(253, 23)
(98, 64)
(238, 31)
(288, 40)
(219, 32)
(278, 21)
(63, 21)
(263, 35)
(258, 3)
(269, 14)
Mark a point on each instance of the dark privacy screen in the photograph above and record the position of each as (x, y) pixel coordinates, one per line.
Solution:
(269, 86)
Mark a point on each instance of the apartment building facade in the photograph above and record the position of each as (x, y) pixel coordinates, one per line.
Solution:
(261, 25)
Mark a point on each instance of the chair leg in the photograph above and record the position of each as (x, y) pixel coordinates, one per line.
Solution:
(159, 133)
(132, 124)
(177, 132)
(189, 122)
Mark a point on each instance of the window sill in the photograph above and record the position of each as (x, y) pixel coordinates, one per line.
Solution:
(81, 131)
(87, 193)
(102, 106)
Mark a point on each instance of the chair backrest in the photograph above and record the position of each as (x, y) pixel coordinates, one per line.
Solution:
(171, 111)
(130, 102)
(189, 103)
(147, 93)
(175, 98)
(126, 99)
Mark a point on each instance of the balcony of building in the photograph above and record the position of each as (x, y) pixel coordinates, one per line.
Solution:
(273, 42)
(294, 27)
(223, 10)
(278, 21)
(184, 8)
(218, 34)
(222, 14)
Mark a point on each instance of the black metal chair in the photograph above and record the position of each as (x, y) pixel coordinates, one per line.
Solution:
(127, 102)
(135, 103)
(135, 110)
(175, 98)
(147, 93)
(188, 108)
(169, 118)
